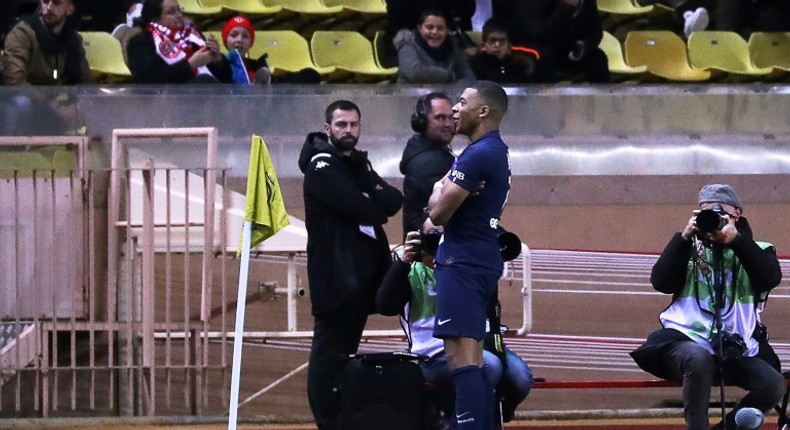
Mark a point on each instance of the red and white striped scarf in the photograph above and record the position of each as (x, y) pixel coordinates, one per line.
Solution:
(174, 45)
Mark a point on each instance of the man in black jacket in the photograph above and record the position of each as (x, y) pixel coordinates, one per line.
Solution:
(346, 203)
(427, 156)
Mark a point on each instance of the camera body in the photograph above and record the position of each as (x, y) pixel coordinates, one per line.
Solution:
(429, 241)
(732, 348)
(711, 220)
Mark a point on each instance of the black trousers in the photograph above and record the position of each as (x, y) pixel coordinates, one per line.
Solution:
(335, 336)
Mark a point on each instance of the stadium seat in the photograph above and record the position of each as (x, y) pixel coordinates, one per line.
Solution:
(250, 7)
(24, 164)
(664, 54)
(287, 52)
(368, 7)
(722, 51)
(306, 7)
(378, 47)
(770, 50)
(360, 14)
(348, 51)
(614, 53)
(199, 8)
(64, 161)
(623, 7)
(476, 37)
(105, 56)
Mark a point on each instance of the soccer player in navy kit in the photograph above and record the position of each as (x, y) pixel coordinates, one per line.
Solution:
(468, 202)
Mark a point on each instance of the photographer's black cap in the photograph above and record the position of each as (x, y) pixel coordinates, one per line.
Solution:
(719, 193)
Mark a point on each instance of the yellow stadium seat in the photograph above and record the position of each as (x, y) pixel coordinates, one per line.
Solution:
(105, 55)
(378, 44)
(347, 51)
(64, 161)
(614, 53)
(199, 8)
(723, 51)
(24, 164)
(370, 7)
(307, 7)
(623, 7)
(664, 54)
(476, 37)
(770, 50)
(250, 7)
(287, 52)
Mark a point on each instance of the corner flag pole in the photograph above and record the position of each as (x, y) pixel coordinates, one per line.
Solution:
(264, 216)
(238, 335)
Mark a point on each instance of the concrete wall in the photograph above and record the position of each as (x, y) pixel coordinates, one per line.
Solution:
(595, 167)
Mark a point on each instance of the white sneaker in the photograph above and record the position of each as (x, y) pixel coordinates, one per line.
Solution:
(263, 76)
(695, 21)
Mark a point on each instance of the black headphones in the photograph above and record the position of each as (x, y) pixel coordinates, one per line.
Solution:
(419, 119)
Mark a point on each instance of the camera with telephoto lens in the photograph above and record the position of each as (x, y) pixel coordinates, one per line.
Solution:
(711, 220)
(732, 348)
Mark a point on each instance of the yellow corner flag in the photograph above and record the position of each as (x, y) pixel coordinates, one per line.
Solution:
(264, 205)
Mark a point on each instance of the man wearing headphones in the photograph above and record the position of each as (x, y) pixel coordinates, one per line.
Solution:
(427, 156)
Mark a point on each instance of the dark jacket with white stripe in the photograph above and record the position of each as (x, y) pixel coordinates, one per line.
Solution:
(346, 204)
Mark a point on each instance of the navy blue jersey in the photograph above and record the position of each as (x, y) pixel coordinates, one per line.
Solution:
(470, 236)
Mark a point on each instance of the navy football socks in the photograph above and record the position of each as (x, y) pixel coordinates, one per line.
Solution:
(473, 399)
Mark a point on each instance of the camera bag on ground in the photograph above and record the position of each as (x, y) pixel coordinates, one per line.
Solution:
(385, 391)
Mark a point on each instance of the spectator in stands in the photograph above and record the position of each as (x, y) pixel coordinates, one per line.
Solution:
(567, 34)
(238, 35)
(45, 50)
(427, 155)
(169, 50)
(126, 30)
(719, 278)
(346, 204)
(409, 289)
(426, 55)
(694, 12)
(740, 16)
(498, 62)
(405, 14)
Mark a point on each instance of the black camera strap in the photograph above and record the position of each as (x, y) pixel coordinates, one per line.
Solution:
(718, 289)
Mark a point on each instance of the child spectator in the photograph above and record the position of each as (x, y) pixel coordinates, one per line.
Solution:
(497, 61)
(238, 35)
(426, 55)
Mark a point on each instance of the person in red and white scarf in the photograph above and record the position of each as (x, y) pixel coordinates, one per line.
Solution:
(170, 50)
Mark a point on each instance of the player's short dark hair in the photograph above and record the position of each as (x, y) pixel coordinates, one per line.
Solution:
(491, 94)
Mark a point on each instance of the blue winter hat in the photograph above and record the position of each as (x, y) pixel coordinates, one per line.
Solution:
(719, 193)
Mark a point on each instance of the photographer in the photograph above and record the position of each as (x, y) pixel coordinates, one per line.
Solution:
(719, 277)
(409, 289)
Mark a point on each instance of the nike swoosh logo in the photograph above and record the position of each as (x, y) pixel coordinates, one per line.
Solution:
(443, 322)
(458, 417)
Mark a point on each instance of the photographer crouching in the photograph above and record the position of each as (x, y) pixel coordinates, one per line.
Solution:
(719, 278)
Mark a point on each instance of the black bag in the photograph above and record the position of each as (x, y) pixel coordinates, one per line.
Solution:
(383, 391)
